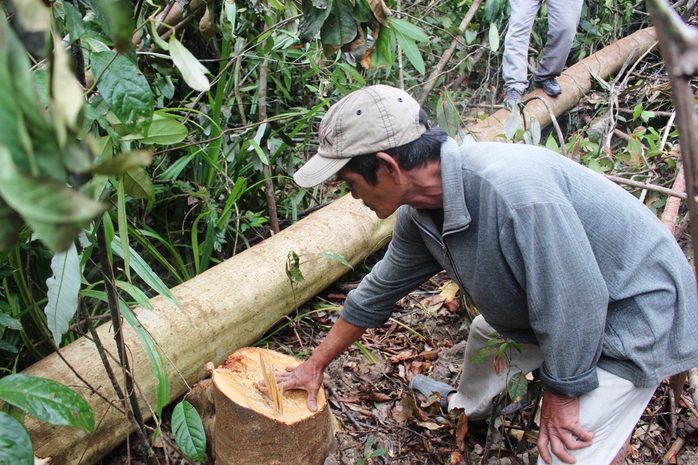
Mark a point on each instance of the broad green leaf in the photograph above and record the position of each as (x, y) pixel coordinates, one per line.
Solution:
(228, 21)
(116, 17)
(494, 37)
(124, 162)
(63, 292)
(73, 21)
(293, 268)
(511, 125)
(335, 256)
(409, 47)
(9, 322)
(189, 431)
(383, 54)
(339, 27)
(4, 345)
(125, 89)
(517, 387)
(492, 9)
(165, 131)
(15, 444)
(470, 33)
(137, 184)
(595, 166)
(162, 392)
(447, 116)
(314, 17)
(145, 272)
(47, 400)
(362, 11)
(483, 354)
(551, 143)
(65, 89)
(409, 30)
(34, 15)
(193, 72)
(56, 212)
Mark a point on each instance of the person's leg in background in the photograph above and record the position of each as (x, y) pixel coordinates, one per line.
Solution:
(515, 57)
(563, 19)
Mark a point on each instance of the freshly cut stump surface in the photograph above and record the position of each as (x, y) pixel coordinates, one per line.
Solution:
(249, 430)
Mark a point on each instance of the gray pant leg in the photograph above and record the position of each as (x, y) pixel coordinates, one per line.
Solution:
(515, 59)
(563, 18)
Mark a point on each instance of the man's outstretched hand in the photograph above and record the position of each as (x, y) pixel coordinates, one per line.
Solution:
(560, 429)
(305, 376)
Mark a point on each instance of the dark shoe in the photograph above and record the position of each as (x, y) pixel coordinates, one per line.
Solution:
(513, 98)
(550, 87)
(432, 390)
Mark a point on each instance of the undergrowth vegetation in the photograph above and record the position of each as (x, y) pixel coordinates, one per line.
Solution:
(181, 136)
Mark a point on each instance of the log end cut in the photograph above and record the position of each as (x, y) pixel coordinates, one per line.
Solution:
(249, 429)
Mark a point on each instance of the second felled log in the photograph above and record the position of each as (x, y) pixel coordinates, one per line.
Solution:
(250, 428)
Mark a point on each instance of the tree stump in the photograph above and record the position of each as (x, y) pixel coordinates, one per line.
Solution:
(248, 427)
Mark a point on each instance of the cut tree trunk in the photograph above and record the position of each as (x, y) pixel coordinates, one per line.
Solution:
(575, 81)
(250, 429)
(223, 309)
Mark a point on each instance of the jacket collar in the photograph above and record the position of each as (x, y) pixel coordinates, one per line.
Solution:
(456, 215)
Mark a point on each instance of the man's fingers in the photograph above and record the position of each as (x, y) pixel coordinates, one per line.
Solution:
(559, 450)
(312, 400)
(543, 448)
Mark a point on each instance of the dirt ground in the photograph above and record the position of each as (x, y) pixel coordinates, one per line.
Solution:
(380, 421)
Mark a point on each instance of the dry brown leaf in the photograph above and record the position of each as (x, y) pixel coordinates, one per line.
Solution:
(449, 290)
(380, 11)
(404, 410)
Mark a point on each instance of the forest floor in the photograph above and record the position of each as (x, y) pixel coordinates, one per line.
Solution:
(380, 422)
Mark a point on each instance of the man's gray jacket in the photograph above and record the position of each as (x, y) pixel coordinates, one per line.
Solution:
(550, 253)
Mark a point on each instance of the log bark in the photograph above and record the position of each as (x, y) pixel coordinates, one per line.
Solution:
(575, 81)
(250, 430)
(223, 309)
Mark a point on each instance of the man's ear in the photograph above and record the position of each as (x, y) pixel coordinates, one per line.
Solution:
(391, 165)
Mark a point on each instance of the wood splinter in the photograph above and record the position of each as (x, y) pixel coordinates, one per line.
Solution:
(275, 392)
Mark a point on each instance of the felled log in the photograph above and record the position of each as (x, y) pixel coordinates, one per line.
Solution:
(223, 309)
(575, 81)
(250, 428)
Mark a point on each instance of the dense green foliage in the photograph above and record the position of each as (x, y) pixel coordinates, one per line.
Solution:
(170, 137)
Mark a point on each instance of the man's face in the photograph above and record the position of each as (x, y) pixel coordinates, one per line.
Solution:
(383, 197)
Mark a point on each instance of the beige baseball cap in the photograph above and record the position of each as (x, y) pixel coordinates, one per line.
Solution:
(369, 120)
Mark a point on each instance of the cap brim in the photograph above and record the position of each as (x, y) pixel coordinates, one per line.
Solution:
(318, 169)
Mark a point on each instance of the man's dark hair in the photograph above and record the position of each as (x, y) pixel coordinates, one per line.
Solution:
(417, 153)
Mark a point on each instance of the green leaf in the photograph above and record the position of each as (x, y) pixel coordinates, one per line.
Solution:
(368, 445)
(145, 272)
(189, 431)
(63, 292)
(470, 33)
(595, 166)
(362, 11)
(123, 162)
(447, 116)
(314, 17)
(47, 400)
(55, 212)
(335, 256)
(10, 322)
(494, 37)
(517, 387)
(66, 92)
(492, 10)
(4, 345)
(339, 28)
(483, 354)
(122, 224)
(511, 125)
(383, 54)
(293, 268)
(165, 131)
(125, 89)
(535, 131)
(408, 30)
(73, 21)
(162, 392)
(116, 17)
(137, 184)
(409, 47)
(17, 448)
(192, 70)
